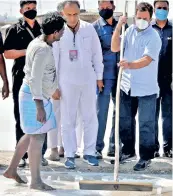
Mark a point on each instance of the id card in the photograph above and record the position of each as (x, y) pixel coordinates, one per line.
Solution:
(73, 55)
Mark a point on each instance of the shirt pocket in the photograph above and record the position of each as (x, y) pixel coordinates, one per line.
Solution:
(106, 41)
(87, 43)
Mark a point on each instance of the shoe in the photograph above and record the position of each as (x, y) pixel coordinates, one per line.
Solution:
(156, 154)
(61, 152)
(142, 165)
(125, 157)
(91, 160)
(22, 163)
(70, 163)
(113, 161)
(77, 156)
(111, 154)
(44, 162)
(168, 154)
(54, 157)
(61, 155)
(99, 155)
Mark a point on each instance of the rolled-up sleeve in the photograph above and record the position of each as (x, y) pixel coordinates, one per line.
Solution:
(97, 57)
(56, 54)
(37, 73)
(153, 47)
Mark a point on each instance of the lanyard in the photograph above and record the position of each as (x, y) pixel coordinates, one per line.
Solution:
(74, 33)
(30, 32)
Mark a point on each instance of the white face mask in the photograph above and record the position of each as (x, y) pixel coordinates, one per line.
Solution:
(142, 24)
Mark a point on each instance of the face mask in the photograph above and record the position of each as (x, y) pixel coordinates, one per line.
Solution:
(106, 13)
(161, 14)
(30, 14)
(141, 24)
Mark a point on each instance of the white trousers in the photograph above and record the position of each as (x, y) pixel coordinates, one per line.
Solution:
(74, 97)
(54, 137)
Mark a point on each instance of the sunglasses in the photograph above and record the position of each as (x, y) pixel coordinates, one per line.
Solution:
(163, 8)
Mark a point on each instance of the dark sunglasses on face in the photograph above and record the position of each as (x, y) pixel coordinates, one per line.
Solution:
(163, 8)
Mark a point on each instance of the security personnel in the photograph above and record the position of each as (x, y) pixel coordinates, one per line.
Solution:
(164, 27)
(105, 27)
(17, 39)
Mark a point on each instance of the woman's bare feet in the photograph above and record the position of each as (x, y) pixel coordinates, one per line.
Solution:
(14, 176)
(41, 186)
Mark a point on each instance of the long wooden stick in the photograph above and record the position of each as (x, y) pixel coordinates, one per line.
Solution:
(117, 109)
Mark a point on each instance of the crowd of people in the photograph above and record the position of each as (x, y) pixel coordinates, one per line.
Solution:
(65, 74)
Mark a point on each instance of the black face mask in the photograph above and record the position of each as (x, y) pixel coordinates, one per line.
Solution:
(30, 14)
(106, 13)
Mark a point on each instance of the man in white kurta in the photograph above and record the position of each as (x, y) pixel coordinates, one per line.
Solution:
(80, 68)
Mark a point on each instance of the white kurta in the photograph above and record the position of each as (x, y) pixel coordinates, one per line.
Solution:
(77, 83)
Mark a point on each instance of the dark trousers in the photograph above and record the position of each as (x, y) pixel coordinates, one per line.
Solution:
(103, 101)
(165, 101)
(17, 83)
(146, 107)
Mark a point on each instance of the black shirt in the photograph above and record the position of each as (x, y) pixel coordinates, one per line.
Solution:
(1, 44)
(165, 58)
(18, 38)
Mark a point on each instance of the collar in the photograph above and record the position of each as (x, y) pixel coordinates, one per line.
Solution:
(143, 32)
(103, 22)
(25, 24)
(168, 24)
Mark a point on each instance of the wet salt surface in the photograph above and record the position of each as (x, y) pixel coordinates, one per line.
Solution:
(67, 184)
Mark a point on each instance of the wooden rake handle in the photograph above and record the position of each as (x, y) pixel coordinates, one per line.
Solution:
(117, 108)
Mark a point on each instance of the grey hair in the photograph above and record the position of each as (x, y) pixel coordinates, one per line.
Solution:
(60, 7)
(70, 2)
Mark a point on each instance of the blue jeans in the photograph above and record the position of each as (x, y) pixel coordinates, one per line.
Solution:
(165, 101)
(146, 107)
(103, 101)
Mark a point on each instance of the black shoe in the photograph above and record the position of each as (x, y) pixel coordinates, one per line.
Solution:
(22, 163)
(125, 157)
(61, 155)
(44, 162)
(156, 154)
(142, 165)
(168, 154)
(99, 155)
(111, 154)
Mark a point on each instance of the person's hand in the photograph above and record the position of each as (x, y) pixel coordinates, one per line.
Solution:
(122, 20)
(41, 115)
(100, 85)
(124, 64)
(5, 90)
(56, 95)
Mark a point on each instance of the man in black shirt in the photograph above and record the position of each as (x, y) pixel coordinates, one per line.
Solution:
(18, 37)
(164, 103)
(5, 88)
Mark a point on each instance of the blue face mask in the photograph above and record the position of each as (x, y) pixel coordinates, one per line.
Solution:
(161, 14)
